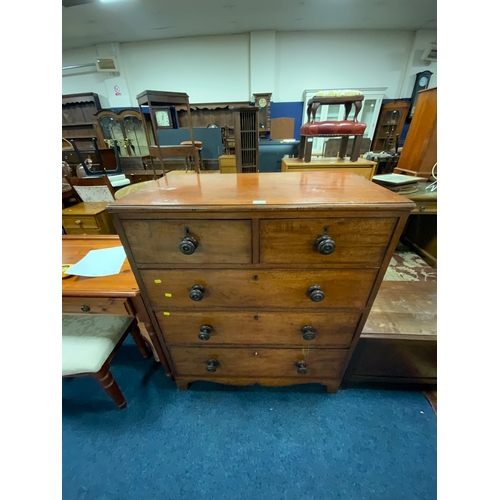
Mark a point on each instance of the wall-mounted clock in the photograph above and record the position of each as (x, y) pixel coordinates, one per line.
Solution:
(263, 102)
(422, 81)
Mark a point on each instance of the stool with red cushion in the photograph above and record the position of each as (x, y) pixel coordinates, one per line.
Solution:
(333, 128)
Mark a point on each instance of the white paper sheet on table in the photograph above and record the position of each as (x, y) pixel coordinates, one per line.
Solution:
(96, 263)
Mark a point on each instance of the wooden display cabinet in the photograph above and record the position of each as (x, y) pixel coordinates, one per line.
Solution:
(127, 128)
(390, 124)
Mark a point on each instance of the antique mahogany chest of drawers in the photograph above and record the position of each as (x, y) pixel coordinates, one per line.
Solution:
(260, 278)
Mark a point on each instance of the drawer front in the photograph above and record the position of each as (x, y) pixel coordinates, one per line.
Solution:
(79, 222)
(425, 207)
(256, 362)
(356, 240)
(246, 288)
(300, 329)
(157, 241)
(95, 305)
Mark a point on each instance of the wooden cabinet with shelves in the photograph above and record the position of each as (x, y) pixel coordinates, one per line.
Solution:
(390, 124)
(78, 118)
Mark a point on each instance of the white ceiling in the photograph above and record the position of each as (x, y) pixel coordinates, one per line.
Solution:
(138, 20)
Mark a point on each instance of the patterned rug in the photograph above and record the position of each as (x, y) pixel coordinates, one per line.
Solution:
(408, 266)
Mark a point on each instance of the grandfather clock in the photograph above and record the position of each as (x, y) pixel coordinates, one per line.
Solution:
(263, 102)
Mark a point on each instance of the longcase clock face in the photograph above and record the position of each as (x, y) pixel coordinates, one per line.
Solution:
(162, 118)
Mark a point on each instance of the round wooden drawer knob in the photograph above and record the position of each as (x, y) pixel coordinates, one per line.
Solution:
(78, 221)
(315, 293)
(196, 293)
(308, 332)
(301, 367)
(325, 245)
(85, 308)
(212, 365)
(205, 331)
(188, 245)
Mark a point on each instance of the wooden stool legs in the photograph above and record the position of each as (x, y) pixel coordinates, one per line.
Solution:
(356, 146)
(343, 146)
(306, 142)
(104, 377)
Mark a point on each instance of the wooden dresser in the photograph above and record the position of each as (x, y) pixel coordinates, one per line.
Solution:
(260, 278)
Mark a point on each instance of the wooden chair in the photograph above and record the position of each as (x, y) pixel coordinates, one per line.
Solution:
(186, 151)
(89, 343)
(91, 189)
(116, 176)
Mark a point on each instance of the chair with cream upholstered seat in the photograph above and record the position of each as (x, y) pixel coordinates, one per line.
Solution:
(89, 343)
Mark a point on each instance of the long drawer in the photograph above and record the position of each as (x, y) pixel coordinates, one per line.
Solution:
(255, 362)
(211, 241)
(294, 329)
(204, 288)
(95, 305)
(325, 241)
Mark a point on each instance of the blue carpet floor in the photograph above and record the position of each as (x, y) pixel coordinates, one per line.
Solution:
(221, 442)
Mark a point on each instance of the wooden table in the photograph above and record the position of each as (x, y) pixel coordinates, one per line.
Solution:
(365, 168)
(420, 233)
(116, 295)
(398, 344)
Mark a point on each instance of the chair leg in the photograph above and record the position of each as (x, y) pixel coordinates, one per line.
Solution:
(308, 150)
(356, 146)
(108, 383)
(302, 145)
(139, 341)
(343, 146)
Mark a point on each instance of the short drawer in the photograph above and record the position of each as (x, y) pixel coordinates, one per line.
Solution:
(425, 207)
(202, 288)
(212, 241)
(325, 241)
(300, 329)
(255, 362)
(79, 222)
(95, 305)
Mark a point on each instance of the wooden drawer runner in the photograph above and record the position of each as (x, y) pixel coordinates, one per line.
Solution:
(357, 240)
(250, 288)
(95, 305)
(257, 362)
(157, 241)
(333, 329)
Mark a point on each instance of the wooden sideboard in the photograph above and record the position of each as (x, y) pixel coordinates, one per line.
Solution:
(365, 168)
(260, 278)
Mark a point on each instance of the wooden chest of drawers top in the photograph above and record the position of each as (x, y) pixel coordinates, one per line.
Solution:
(262, 192)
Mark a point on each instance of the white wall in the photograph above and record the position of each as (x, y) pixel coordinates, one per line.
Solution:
(208, 69)
(231, 67)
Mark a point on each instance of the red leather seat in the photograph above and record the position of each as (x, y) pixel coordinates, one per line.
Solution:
(340, 127)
